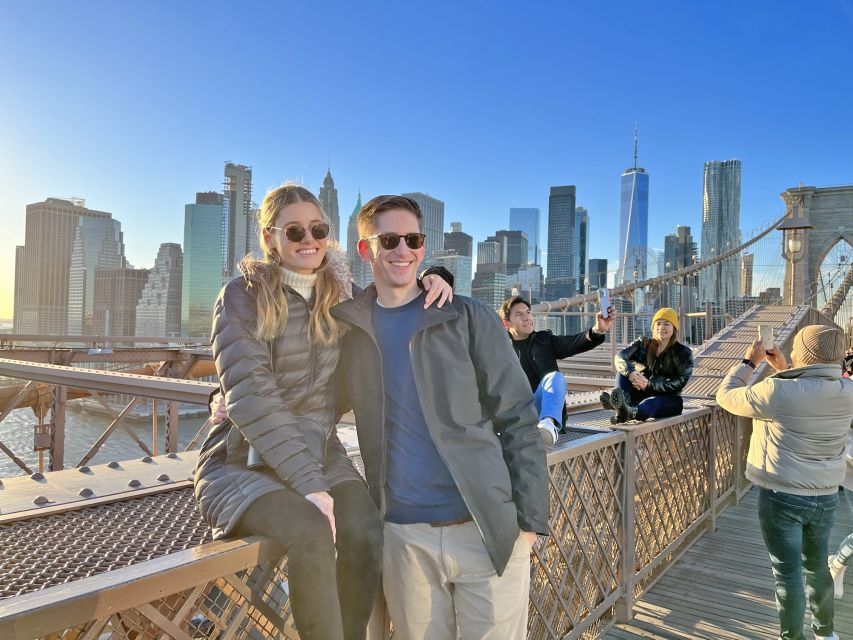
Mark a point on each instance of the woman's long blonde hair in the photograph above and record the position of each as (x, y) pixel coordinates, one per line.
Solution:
(266, 276)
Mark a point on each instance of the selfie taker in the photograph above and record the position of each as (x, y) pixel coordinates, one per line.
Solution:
(538, 352)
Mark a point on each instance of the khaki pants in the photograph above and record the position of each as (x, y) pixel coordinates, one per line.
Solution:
(440, 582)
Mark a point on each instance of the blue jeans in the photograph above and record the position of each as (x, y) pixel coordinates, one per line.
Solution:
(796, 533)
(845, 551)
(649, 405)
(550, 396)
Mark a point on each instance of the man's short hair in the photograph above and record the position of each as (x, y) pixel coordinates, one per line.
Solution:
(508, 304)
(375, 207)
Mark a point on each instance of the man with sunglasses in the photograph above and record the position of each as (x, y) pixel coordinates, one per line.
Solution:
(447, 432)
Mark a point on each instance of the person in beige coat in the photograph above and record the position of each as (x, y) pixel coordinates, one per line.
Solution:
(801, 416)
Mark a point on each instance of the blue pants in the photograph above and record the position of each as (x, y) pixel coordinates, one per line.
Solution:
(845, 551)
(796, 533)
(649, 405)
(550, 396)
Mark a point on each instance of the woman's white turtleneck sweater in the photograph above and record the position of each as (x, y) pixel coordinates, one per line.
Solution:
(302, 284)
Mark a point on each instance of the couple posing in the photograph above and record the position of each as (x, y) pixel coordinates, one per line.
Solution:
(457, 485)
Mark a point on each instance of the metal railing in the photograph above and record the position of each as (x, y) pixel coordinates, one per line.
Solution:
(47, 388)
(624, 505)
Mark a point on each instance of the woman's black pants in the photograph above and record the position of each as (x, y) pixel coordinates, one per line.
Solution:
(331, 598)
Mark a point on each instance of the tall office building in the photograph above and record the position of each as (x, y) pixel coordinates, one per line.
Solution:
(581, 246)
(747, 264)
(202, 273)
(432, 210)
(633, 223)
(515, 248)
(116, 294)
(238, 221)
(158, 313)
(458, 265)
(328, 198)
(97, 244)
(362, 275)
(458, 241)
(527, 220)
(491, 255)
(561, 281)
(527, 281)
(597, 270)
(721, 231)
(43, 265)
(490, 288)
(679, 250)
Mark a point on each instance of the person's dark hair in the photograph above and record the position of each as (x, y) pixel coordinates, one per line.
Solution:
(375, 207)
(848, 364)
(509, 303)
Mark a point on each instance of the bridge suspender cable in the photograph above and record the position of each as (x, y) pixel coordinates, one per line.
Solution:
(564, 303)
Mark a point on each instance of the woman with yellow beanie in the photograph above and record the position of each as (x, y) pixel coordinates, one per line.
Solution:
(651, 372)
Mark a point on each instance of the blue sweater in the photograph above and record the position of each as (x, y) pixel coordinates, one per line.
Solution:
(419, 485)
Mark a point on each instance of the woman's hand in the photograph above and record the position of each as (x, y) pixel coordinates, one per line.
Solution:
(638, 380)
(218, 412)
(436, 288)
(326, 504)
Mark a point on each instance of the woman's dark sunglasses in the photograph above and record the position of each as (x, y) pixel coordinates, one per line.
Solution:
(389, 241)
(295, 233)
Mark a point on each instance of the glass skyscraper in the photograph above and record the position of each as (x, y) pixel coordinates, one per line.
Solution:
(633, 224)
(527, 220)
(581, 246)
(720, 231)
(561, 281)
(97, 244)
(432, 210)
(238, 219)
(202, 263)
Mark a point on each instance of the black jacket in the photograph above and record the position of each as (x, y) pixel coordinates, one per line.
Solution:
(544, 349)
(478, 410)
(670, 371)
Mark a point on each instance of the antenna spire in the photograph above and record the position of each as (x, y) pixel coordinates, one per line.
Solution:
(636, 144)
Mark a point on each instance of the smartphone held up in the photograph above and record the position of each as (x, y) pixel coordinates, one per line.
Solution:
(603, 301)
(765, 334)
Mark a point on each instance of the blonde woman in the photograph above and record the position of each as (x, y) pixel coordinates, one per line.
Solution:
(276, 467)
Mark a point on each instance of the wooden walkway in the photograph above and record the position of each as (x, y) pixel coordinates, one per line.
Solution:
(722, 588)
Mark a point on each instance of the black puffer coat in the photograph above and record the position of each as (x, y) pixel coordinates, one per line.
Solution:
(667, 375)
(280, 398)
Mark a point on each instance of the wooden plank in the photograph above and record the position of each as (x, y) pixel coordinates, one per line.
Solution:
(722, 588)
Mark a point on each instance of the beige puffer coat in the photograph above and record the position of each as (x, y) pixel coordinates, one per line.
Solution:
(279, 396)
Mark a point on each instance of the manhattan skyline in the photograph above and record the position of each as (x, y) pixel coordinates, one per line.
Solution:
(127, 107)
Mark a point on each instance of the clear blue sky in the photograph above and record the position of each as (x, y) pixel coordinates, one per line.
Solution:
(136, 106)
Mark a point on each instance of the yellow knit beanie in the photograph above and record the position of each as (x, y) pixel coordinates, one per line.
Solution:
(665, 313)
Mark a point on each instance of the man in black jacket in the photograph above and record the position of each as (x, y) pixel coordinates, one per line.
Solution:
(447, 433)
(538, 352)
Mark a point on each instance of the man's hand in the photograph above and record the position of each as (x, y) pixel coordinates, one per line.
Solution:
(217, 409)
(638, 380)
(602, 324)
(755, 352)
(326, 504)
(777, 360)
(437, 288)
(530, 537)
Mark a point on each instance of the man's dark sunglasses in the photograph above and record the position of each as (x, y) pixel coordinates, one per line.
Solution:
(295, 233)
(389, 241)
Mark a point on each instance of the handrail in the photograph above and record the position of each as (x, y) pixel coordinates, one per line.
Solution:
(190, 391)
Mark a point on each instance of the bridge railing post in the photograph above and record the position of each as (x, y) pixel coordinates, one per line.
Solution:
(625, 604)
(712, 472)
(58, 397)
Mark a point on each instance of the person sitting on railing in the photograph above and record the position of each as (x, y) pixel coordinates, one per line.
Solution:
(277, 468)
(538, 352)
(650, 373)
(800, 419)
